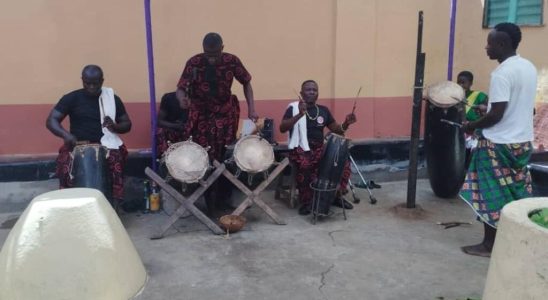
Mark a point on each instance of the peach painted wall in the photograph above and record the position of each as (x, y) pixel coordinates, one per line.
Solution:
(343, 44)
(25, 133)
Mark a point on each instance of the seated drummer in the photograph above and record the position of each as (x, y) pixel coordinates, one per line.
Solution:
(307, 118)
(86, 126)
(172, 118)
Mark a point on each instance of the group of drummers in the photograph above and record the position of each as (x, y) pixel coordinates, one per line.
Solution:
(204, 108)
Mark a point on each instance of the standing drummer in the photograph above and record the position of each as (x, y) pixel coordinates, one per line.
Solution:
(214, 111)
(84, 106)
(305, 120)
(498, 172)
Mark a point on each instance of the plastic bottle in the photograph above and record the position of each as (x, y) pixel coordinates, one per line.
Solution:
(154, 198)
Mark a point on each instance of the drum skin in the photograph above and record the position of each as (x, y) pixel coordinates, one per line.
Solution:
(90, 168)
(330, 170)
(445, 150)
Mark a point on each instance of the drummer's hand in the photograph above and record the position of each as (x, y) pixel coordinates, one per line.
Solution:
(302, 108)
(253, 116)
(184, 103)
(109, 124)
(178, 124)
(481, 109)
(468, 127)
(350, 119)
(69, 140)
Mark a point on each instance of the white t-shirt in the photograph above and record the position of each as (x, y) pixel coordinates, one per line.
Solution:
(513, 81)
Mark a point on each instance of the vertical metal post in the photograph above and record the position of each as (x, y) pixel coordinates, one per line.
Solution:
(451, 39)
(416, 118)
(151, 83)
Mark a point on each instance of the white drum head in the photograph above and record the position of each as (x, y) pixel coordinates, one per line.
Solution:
(445, 94)
(186, 161)
(253, 154)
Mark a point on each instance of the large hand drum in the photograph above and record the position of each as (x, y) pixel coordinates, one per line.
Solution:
(253, 154)
(445, 94)
(186, 161)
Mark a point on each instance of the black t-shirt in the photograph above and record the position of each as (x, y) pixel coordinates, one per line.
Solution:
(174, 112)
(316, 120)
(84, 115)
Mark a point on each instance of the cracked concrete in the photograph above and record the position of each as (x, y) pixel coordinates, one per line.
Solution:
(378, 253)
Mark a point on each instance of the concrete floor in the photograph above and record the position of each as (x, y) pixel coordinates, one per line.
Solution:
(380, 252)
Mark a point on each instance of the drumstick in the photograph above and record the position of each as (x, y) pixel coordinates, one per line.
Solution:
(451, 123)
(355, 100)
(300, 99)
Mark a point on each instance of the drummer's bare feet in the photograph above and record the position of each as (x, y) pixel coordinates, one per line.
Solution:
(478, 250)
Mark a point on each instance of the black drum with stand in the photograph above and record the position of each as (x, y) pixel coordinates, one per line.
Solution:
(90, 168)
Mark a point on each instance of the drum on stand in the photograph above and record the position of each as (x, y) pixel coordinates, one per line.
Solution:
(253, 154)
(90, 168)
(186, 161)
(330, 170)
(444, 143)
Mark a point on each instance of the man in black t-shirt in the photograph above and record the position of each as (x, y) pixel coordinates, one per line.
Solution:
(86, 126)
(172, 118)
(317, 117)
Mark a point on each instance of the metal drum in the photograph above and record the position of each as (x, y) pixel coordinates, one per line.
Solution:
(90, 168)
(330, 170)
(253, 154)
(186, 161)
(444, 142)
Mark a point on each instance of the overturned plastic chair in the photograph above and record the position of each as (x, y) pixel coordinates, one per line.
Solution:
(70, 244)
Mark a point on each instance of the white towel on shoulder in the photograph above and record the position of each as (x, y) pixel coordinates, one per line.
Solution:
(107, 107)
(298, 137)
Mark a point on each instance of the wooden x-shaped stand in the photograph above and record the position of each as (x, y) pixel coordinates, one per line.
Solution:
(187, 203)
(254, 196)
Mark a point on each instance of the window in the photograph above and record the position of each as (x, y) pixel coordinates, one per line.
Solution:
(520, 12)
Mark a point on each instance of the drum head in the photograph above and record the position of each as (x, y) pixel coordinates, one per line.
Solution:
(445, 94)
(253, 154)
(186, 161)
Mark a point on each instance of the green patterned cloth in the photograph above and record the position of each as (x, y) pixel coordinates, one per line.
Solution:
(474, 98)
(497, 175)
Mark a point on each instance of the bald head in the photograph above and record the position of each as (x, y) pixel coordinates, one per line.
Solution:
(92, 71)
(92, 79)
(212, 42)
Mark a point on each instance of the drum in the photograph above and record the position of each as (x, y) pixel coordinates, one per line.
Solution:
(253, 154)
(330, 170)
(90, 168)
(186, 161)
(444, 143)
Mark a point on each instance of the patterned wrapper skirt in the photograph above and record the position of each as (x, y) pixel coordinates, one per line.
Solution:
(497, 175)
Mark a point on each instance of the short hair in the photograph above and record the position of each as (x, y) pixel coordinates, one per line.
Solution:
(308, 81)
(92, 70)
(512, 30)
(212, 40)
(468, 75)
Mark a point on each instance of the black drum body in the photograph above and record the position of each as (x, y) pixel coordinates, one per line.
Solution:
(90, 168)
(445, 149)
(330, 170)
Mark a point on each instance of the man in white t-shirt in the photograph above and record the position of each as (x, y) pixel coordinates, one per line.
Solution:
(498, 170)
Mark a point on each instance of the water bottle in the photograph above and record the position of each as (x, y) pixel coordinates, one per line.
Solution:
(154, 198)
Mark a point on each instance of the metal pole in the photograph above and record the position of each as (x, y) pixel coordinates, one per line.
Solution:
(152, 86)
(451, 39)
(416, 119)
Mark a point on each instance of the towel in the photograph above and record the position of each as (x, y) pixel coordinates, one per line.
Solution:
(298, 137)
(107, 107)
